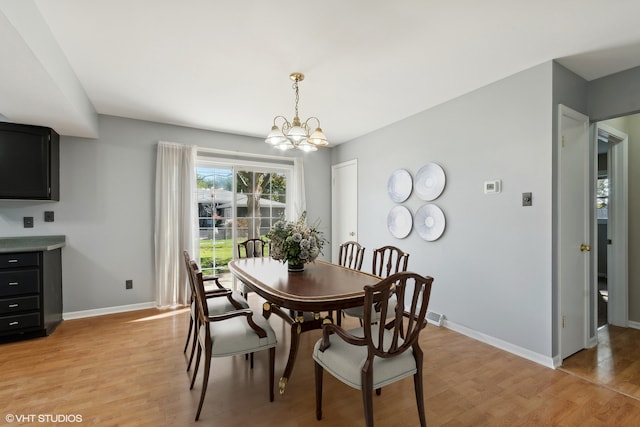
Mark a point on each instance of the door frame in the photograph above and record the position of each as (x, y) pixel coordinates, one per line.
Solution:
(617, 228)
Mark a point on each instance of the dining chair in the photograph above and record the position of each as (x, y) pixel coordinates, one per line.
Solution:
(231, 300)
(350, 255)
(251, 248)
(228, 334)
(387, 260)
(373, 356)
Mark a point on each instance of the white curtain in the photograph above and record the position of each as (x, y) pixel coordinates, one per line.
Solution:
(298, 203)
(175, 221)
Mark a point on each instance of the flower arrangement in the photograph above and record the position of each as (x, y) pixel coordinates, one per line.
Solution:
(295, 242)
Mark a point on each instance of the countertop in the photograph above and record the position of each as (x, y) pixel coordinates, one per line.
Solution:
(31, 243)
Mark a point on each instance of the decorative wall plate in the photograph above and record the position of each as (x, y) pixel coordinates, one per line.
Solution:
(430, 222)
(430, 181)
(399, 222)
(399, 185)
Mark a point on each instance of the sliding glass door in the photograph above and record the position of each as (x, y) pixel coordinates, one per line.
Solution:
(215, 191)
(236, 202)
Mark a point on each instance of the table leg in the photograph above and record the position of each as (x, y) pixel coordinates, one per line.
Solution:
(296, 329)
(299, 324)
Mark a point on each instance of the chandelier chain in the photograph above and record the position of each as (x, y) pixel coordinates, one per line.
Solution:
(295, 87)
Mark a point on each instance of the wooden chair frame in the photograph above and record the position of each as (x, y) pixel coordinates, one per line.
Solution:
(258, 246)
(405, 328)
(218, 291)
(387, 260)
(351, 255)
(204, 320)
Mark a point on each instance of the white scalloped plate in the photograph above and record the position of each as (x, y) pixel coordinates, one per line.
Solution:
(399, 222)
(399, 185)
(429, 182)
(430, 222)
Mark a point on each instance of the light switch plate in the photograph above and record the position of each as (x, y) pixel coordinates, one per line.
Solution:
(48, 216)
(492, 187)
(527, 199)
(28, 221)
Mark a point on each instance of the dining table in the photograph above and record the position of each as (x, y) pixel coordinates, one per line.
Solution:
(305, 300)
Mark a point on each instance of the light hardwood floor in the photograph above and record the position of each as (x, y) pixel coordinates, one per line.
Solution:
(614, 363)
(129, 370)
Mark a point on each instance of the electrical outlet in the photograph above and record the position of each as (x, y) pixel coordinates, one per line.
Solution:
(129, 284)
(28, 221)
(527, 199)
(48, 216)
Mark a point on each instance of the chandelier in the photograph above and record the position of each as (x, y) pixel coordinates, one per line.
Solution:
(296, 134)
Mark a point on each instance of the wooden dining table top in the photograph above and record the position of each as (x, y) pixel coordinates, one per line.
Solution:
(322, 286)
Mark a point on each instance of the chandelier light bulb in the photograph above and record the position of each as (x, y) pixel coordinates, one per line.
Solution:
(276, 136)
(318, 138)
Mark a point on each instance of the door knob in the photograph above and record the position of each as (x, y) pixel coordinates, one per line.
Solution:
(584, 248)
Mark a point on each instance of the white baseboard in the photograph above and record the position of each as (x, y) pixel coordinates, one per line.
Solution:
(634, 325)
(107, 310)
(502, 345)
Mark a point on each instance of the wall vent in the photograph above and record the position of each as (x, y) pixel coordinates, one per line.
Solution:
(434, 318)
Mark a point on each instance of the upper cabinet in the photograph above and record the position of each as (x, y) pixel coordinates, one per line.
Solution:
(29, 162)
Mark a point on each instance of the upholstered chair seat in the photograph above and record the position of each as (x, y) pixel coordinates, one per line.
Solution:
(236, 336)
(344, 361)
(222, 305)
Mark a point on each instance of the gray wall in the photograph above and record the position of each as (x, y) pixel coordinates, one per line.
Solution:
(615, 95)
(493, 264)
(612, 97)
(106, 207)
(633, 130)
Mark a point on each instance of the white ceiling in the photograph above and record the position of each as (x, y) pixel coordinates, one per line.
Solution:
(224, 65)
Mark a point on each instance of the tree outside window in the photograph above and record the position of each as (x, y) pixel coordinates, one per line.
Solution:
(602, 198)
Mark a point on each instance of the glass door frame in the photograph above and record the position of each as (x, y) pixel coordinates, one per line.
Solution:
(236, 165)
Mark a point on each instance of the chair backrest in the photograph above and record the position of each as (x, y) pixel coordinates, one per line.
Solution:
(251, 248)
(195, 279)
(409, 288)
(350, 255)
(202, 308)
(187, 264)
(389, 260)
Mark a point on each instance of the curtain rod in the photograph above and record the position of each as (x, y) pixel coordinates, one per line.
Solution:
(243, 154)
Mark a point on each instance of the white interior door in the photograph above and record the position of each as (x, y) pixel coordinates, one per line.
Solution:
(344, 205)
(574, 228)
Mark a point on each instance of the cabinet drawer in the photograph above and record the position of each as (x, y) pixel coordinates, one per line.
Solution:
(19, 282)
(19, 322)
(17, 304)
(26, 259)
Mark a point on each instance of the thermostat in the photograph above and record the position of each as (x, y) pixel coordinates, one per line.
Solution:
(492, 186)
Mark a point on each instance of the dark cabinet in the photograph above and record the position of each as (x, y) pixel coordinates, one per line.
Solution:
(30, 292)
(29, 162)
